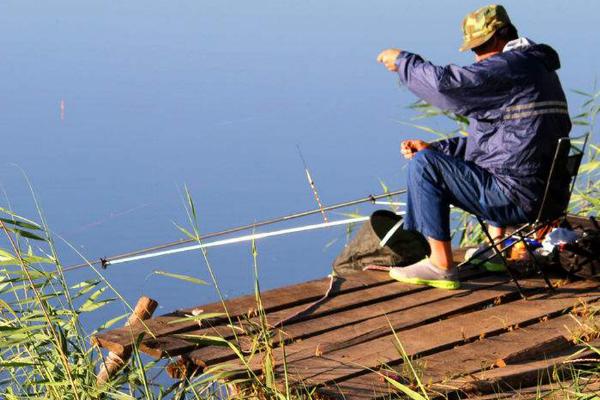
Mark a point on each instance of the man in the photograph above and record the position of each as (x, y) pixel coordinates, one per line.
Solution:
(517, 111)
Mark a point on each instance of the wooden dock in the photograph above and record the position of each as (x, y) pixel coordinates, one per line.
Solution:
(481, 339)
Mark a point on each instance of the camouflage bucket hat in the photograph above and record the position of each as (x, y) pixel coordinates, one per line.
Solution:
(480, 25)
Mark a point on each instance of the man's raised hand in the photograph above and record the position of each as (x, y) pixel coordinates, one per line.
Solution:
(388, 58)
(409, 148)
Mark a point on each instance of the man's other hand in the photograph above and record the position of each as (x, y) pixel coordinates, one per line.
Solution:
(388, 58)
(409, 148)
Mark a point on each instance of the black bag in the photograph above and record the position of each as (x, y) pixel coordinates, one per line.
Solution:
(582, 258)
(401, 248)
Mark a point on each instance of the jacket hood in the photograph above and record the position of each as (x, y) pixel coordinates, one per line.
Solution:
(546, 54)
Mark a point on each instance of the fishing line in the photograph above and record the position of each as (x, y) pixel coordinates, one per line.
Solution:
(112, 215)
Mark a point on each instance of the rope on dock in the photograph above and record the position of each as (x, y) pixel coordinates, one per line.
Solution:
(332, 278)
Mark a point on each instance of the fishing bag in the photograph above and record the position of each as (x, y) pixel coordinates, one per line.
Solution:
(582, 258)
(401, 247)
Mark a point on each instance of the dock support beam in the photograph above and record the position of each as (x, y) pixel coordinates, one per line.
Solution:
(113, 362)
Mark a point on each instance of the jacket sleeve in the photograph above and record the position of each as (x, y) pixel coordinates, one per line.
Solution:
(454, 147)
(475, 91)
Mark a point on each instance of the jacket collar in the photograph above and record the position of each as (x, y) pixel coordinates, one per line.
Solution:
(519, 43)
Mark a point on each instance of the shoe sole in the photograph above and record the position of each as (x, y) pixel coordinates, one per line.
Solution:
(489, 265)
(437, 283)
(494, 267)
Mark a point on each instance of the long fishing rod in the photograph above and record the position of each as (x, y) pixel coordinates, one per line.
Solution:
(245, 238)
(104, 262)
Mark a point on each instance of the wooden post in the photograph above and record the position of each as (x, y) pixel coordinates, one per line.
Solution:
(183, 368)
(113, 362)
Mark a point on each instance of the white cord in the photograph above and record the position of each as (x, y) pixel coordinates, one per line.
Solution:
(391, 232)
(390, 203)
(245, 238)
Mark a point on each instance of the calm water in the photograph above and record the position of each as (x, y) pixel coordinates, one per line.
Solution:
(216, 95)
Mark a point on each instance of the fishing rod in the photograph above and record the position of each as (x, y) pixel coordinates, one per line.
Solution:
(105, 262)
(245, 238)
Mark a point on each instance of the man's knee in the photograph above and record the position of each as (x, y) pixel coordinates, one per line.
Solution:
(426, 156)
(423, 160)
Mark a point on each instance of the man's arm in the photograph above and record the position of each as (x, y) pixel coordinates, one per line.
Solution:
(454, 147)
(472, 91)
(463, 90)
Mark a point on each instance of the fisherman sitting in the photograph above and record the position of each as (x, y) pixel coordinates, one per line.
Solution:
(517, 112)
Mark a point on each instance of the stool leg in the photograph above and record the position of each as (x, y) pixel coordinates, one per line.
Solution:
(497, 250)
(536, 263)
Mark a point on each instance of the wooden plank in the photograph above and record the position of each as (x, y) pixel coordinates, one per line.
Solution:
(400, 319)
(536, 341)
(440, 335)
(163, 346)
(168, 346)
(522, 374)
(348, 362)
(118, 340)
(402, 311)
(380, 389)
(359, 389)
(551, 391)
(335, 312)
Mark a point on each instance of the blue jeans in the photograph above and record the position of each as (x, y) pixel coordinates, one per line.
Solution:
(436, 180)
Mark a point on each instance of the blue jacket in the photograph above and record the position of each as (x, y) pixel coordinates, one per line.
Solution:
(517, 111)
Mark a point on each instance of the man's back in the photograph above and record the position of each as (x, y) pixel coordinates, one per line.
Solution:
(517, 110)
(517, 146)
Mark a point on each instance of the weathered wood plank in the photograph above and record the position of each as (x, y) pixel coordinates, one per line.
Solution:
(370, 387)
(118, 340)
(337, 302)
(335, 312)
(347, 362)
(402, 311)
(522, 374)
(401, 319)
(565, 389)
(436, 370)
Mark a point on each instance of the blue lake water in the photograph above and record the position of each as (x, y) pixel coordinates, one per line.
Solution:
(216, 95)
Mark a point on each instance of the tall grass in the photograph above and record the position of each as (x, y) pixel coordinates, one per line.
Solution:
(45, 352)
(586, 198)
(44, 348)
